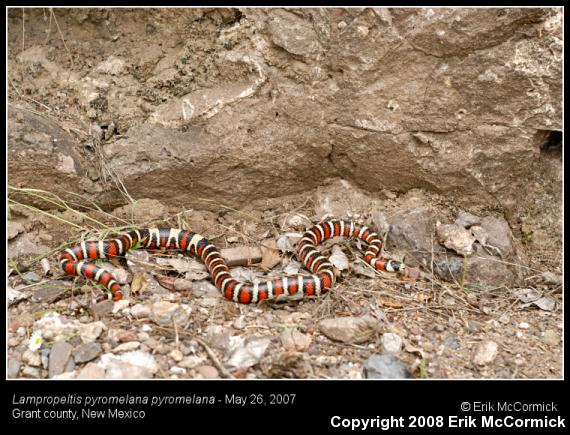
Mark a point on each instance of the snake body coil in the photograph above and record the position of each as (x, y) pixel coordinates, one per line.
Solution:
(75, 260)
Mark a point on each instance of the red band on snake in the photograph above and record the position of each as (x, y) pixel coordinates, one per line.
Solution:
(75, 260)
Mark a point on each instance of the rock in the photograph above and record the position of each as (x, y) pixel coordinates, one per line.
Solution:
(87, 352)
(452, 341)
(551, 338)
(14, 228)
(68, 374)
(112, 66)
(473, 326)
(250, 353)
(462, 145)
(218, 337)
(412, 229)
(177, 370)
(13, 296)
(129, 365)
(32, 358)
(176, 355)
(31, 372)
(126, 347)
(485, 353)
(456, 238)
(354, 330)
(58, 358)
(120, 305)
(499, 235)
(191, 361)
(140, 311)
(164, 313)
(391, 343)
(104, 308)
(91, 331)
(13, 368)
(208, 372)
(293, 339)
(56, 327)
(467, 220)
(30, 277)
(204, 289)
(48, 294)
(523, 325)
(91, 371)
(553, 279)
(385, 367)
(546, 303)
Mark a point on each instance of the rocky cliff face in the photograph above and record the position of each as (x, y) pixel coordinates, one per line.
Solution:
(249, 104)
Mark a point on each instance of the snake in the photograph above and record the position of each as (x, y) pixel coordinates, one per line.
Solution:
(77, 260)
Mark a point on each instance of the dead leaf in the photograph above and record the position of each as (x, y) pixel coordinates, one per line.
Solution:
(338, 258)
(139, 283)
(269, 254)
(168, 282)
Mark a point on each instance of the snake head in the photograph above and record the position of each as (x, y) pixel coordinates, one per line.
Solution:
(396, 266)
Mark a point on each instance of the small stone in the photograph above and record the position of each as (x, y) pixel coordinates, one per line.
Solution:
(524, 325)
(355, 330)
(13, 368)
(48, 294)
(125, 336)
(473, 326)
(91, 331)
(191, 361)
(104, 308)
(208, 372)
(87, 352)
(31, 372)
(176, 355)
(140, 311)
(456, 238)
(385, 367)
(467, 220)
(452, 342)
(218, 337)
(120, 305)
(391, 343)
(30, 277)
(32, 358)
(129, 365)
(293, 339)
(126, 347)
(239, 322)
(177, 370)
(545, 303)
(550, 278)
(58, 358)
(551, 337)
(504, 319)
(165, 313)
(486, 352)
(91, 371)
(250, 353)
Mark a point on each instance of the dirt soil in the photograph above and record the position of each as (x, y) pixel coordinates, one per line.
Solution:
(95, 100)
